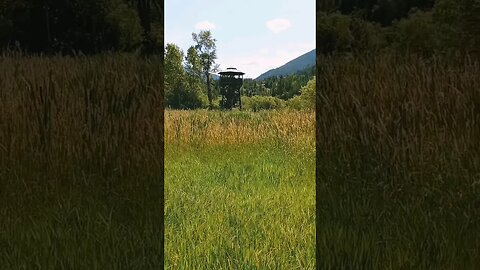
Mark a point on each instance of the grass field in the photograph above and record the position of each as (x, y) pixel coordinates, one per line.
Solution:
(81, 163)
(239, 190)
(398, 163)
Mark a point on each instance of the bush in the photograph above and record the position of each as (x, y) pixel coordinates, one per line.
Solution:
(415, 34)
(306, 99)
(257, 103)
(457, 25)
(343, 33)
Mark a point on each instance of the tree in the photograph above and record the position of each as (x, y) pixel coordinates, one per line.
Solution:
(174, 76)
(415, 34)
(207, 52)
(306, 99)
(457, 25)
(470, 26)
(193, 70)
(89, 26)
(147, 9)
(193, 65)
(124, 21)
(182, 90)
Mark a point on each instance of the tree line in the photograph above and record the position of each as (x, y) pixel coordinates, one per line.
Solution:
(87, 26)
(423, 27)
(283, 87)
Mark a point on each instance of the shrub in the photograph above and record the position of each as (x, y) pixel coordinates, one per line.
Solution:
(415, 34)
(257, 103)
(342, 33)
(306, 99)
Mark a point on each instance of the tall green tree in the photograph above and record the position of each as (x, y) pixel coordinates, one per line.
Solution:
(207, 51)
(193, 64)
(182, 88)
(193, 71)
(174, 76)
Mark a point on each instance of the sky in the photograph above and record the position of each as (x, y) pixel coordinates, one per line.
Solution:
(252, 36)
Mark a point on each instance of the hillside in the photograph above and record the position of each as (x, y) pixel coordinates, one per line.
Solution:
(295, 65)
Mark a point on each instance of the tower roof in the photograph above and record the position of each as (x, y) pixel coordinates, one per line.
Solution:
(231, 71)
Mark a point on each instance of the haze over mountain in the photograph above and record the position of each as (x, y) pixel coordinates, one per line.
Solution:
(298, 64)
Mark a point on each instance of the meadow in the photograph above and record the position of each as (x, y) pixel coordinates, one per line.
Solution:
(239, 190)
(81, 173)
(81, 162)
(398, 162)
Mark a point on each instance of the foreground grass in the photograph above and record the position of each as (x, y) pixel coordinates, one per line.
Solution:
(81, 163)
(233, 203)
(49, 223)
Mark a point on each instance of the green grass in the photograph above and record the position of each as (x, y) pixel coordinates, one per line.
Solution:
(79, 223)
(247, 206)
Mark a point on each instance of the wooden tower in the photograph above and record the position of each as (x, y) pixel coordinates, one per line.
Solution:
(231, 81)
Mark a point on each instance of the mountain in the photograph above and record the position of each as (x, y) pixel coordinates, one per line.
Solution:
(298, 64)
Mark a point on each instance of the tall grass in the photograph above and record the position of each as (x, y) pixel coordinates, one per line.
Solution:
(81, 162)
(398, 163)
(219, 128)
(101, 111)
(239, 190)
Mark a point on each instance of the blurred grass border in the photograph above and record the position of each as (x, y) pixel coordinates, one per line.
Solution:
(81, 163)
(398, 162)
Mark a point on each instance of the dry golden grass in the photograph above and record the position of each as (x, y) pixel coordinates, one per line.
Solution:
(103, 112)
(227, 128)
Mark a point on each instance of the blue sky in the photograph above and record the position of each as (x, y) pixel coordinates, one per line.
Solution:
(253, 36)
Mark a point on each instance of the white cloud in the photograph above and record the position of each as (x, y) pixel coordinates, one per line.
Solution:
(205, 25)
(278, 25)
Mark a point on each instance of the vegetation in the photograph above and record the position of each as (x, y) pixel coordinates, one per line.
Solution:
(398, 158)
(86, 26)
(397, 149)
(207, 53)
(283, 87)
(187, 78)
(398, 163)
(183, 89)
(81, 162)
(448, 27)
(304, 100)
(239, 190)
(186, 84)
